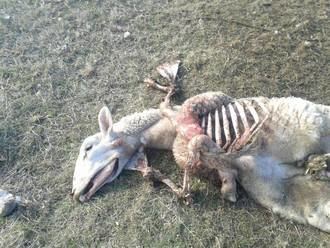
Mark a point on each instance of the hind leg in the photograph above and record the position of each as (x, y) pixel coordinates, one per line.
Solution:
(228, 185)
(285, 190)
(320, 217)
(317, 166)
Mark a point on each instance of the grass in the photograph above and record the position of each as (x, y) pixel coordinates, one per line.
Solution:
(62, 60)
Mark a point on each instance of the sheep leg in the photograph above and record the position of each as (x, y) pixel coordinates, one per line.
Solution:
(139, 163)
(317, 166)
(203, 151)
(165, 107)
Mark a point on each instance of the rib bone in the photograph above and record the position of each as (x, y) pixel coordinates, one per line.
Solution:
(209, 126)
(234, 121)
(204, 124)
(226, 128)
(254, 115)
(263, 120)
(217, 130)
(242, 114)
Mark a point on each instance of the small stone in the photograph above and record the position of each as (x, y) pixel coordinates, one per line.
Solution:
(2, 158)
(18, 199)
(5, 16)
(127, 34)
(88, 70)
(65, 48)
(7, 203)
(307, 44)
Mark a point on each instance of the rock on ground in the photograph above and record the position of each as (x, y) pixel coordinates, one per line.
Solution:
(7, 203)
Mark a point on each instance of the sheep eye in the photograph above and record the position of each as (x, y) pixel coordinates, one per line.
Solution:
(88, 148)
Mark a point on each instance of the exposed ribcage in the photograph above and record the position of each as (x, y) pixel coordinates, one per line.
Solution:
(233, 125)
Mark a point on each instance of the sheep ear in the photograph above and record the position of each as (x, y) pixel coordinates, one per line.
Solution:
(105, 121)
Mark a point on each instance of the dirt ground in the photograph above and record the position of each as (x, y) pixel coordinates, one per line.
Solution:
(62, 60)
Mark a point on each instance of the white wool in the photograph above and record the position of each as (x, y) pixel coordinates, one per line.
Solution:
(137, 122)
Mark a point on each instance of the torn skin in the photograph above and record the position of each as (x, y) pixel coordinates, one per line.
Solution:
(188, 126)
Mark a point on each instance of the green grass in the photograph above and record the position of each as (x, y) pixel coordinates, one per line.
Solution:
(62, 60)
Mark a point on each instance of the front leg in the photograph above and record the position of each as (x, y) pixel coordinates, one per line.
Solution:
(139, 163)
(204, 152)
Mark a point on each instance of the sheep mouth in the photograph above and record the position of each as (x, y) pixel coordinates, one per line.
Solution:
(101, 177)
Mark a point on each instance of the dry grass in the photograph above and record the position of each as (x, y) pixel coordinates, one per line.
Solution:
(61, 60)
